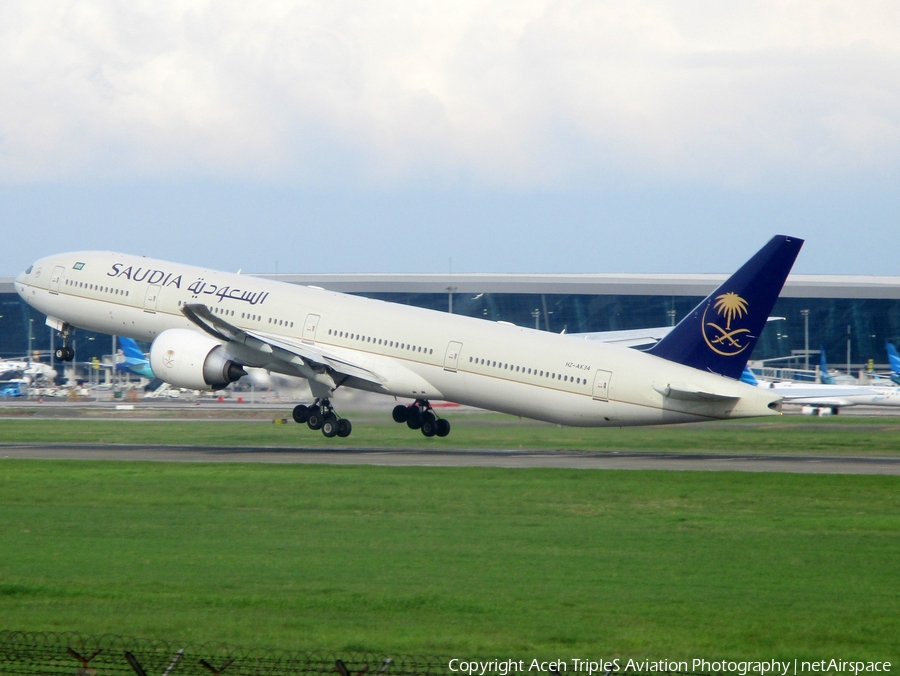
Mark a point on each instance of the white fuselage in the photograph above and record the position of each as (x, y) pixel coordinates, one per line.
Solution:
(417, 353)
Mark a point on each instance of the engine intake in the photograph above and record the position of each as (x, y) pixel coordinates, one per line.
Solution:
(193, 360)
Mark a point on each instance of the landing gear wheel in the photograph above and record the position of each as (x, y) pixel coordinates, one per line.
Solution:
(442, 427)
(321, 416)
(315, 420)
(414, 419)
(301, 413)
(330, 428)
(64, 353)
(428, 428)
(400, 413)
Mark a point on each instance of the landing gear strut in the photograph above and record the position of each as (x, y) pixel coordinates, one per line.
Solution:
(420, 416)
(321, 416)
(65, 353)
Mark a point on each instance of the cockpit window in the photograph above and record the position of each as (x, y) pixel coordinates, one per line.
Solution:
(28, 271)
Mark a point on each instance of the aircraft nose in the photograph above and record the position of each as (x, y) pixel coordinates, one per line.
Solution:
(19, 284)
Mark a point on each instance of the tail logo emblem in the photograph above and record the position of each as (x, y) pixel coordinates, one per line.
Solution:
(726, 341)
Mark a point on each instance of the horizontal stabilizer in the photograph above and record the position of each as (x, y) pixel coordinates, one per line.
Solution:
(628, 337)
(687, 394)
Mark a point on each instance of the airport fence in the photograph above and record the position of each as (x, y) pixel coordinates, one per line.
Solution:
(75, 654)
(82, 655)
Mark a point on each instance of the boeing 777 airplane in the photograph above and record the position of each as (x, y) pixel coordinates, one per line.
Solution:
(207, 326)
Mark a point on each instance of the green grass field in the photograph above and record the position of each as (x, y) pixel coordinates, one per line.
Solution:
(466, 561)
(785, 435)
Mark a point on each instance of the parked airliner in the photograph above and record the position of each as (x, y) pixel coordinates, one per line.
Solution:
(831, 398)
(206, 326)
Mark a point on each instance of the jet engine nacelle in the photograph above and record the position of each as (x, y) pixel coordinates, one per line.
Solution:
(192, 360)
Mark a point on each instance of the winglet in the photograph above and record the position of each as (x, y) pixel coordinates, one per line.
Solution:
(720, 333)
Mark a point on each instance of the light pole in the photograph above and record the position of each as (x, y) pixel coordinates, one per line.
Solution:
(450, 290)
(805, 314)
(30, 332)
(848, 349)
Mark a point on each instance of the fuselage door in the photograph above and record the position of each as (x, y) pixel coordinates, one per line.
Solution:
(55, 278)
(309, 329)
(451, 359)
(601, 385)
(151, 298)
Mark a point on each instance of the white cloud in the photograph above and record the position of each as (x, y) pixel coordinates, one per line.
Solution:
(517, 93)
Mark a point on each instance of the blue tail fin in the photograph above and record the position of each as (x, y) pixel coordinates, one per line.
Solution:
(894, 361)
(748, 377)
(130, 348)
(135, 361)
(824, 377)
(720, 333)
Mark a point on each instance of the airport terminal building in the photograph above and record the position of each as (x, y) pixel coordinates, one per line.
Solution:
(862, 312)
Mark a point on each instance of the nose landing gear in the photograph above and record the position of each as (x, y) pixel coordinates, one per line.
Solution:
(420, 416)
(322, 416)
(64, 353)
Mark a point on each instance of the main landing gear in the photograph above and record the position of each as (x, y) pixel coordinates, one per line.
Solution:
(64, 353)
(420, 416)
(321, 416)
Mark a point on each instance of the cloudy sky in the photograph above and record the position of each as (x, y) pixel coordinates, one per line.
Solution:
(519, 136)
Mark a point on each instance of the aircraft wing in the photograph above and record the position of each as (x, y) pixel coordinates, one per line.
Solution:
(267, 348)
(628, 338)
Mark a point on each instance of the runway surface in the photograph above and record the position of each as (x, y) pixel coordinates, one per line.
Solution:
(704, 462)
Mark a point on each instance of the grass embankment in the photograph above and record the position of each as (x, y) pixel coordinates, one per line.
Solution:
(467, 561)
(787, 435)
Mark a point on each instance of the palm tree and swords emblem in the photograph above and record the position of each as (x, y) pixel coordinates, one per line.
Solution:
(725, 340)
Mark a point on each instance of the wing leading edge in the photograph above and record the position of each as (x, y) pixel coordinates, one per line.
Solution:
(259, 349)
